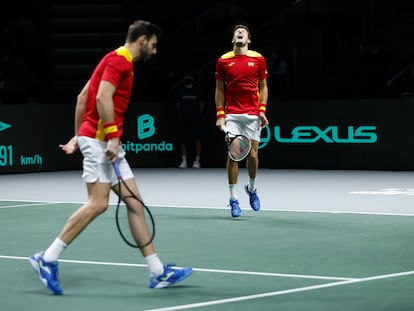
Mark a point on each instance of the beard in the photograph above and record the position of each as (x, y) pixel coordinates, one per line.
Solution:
(144, 55)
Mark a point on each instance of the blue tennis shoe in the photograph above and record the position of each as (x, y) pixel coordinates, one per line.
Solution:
(253, 198)
(235, 208)
(169, 277)
(48, 272)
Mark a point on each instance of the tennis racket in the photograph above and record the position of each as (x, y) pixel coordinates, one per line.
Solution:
(121, 215)
(238, 146)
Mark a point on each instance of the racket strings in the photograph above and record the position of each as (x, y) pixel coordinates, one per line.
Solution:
(146, 209)
(239, 147)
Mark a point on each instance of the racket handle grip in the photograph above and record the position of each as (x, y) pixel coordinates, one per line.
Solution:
(117, 171)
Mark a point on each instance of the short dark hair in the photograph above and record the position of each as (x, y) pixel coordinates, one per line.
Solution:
(242, 26)
(140, 27)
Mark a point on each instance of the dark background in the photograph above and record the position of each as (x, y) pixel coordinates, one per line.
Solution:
(331, 49)
(331, 63)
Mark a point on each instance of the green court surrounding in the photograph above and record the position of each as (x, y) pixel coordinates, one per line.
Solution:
(267, 260)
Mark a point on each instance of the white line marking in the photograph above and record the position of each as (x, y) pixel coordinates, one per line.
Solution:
(302, 276)
(342, 281)
(281, 292)
(224, 208)
(387, 191)
(25, 205)
(287, 275)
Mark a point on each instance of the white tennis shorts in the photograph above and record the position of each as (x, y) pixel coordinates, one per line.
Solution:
(96, 165)
(244, 124)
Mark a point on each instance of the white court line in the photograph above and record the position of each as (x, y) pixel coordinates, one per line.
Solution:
(25, 205)
(36, 201)
(281, 292)
(386, 191)
(342, 281)
(220, 208)
(120, 264)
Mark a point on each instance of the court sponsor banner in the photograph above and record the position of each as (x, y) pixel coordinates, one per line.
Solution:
(339, 134)
(328, 134)
(30, 142)
(30, 136)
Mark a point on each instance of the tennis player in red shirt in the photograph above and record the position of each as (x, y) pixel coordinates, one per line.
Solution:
(99, 118)
(241, 96)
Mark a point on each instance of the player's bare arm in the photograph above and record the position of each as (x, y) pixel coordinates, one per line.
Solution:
(219, 99)
(105, 105)
(263, 97)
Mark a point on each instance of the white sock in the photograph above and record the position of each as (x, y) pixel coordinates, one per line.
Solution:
(184, 158)
(252, 184)
(52, 253)
(154, 264)
(232, 189)
(197, 159)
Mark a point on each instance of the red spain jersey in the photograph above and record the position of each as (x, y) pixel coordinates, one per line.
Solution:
(117, 68)
(241, 75)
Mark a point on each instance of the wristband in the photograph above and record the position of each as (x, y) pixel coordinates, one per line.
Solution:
(220, 113)
(262, 107)
(110, 130)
